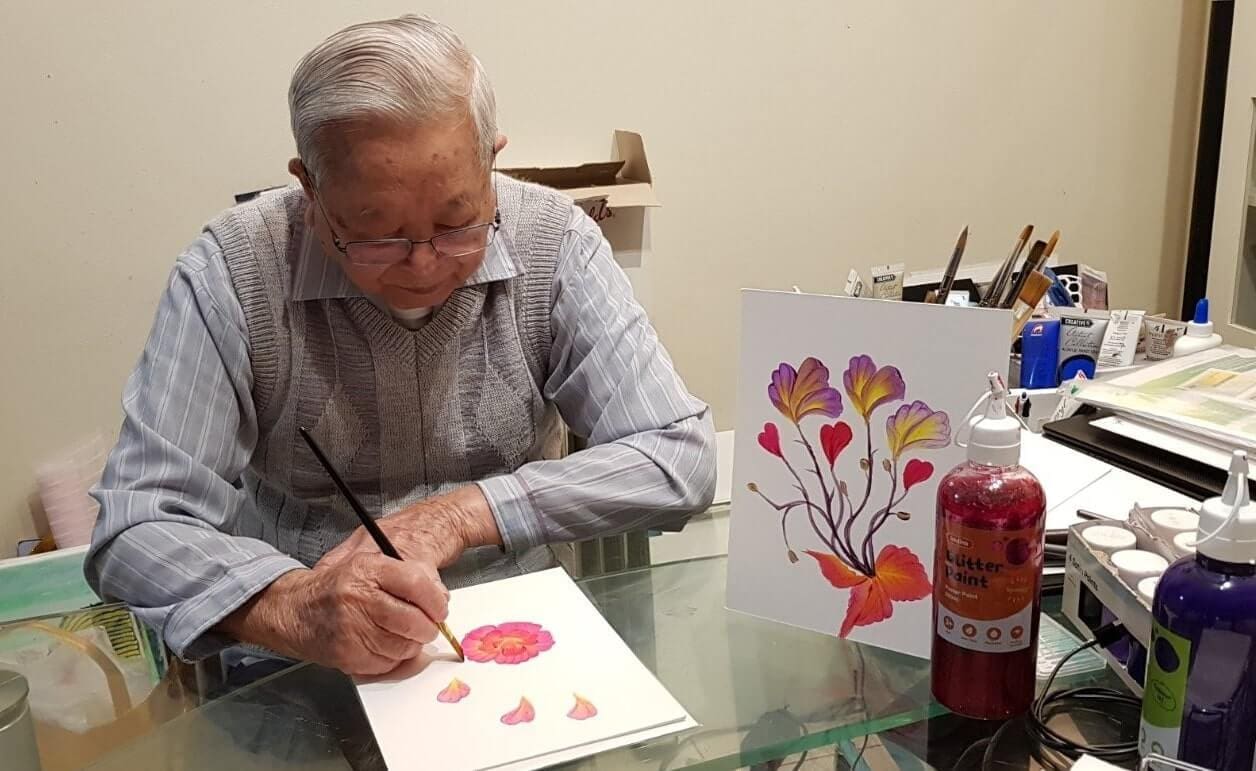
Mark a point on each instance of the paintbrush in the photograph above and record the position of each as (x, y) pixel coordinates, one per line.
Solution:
(952, 267)
(995, 293)
(1031, 294)
(1036, 259)
(372, 527)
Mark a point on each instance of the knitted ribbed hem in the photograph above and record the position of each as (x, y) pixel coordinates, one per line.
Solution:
(517, 518)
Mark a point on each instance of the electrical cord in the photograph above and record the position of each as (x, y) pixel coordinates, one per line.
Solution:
(1051, 703)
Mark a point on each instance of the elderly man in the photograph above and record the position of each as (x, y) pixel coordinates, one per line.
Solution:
(425, 318)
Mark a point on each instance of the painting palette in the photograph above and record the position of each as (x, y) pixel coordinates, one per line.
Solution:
(848, 411)
(546, 680)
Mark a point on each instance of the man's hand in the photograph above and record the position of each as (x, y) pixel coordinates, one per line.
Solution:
(436, 530)
(368, 615)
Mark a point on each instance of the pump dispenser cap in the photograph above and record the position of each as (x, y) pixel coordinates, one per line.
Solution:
(995, 437)
(1227, 525)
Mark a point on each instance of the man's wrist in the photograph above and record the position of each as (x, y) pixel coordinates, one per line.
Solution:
(267, 619)
(472, 517)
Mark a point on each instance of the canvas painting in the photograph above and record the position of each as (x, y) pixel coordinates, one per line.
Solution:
(546, 680)
(847, 415)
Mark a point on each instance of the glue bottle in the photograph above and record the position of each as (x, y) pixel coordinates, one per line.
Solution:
(1199, 701)
(1199, 335)
(988, 571)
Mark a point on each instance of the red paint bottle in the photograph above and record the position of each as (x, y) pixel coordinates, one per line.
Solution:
(988, 573)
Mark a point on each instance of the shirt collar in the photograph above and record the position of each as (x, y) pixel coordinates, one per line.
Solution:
(316, 276)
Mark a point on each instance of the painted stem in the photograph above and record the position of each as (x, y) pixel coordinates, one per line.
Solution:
(845, 551)
(878, 519)
(786, 508)
(847, 532)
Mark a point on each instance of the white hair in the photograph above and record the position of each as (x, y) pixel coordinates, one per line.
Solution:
(408, 71)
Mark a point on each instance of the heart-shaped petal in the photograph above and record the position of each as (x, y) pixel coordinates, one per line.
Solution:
(833, 439)
(915, 472)
(770, 439)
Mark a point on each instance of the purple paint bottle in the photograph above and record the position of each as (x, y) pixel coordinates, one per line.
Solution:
(1199, 703)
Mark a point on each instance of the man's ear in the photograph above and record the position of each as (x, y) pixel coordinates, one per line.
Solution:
(500, 144)
(297, 169)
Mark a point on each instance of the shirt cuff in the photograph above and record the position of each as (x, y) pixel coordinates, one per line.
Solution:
(517, 518)
(188, 630)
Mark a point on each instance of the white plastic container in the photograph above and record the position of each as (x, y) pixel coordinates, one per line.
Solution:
(1184, 544)
(1147, 588)
(1108, 539)
(1133, 565)
(1170, 523)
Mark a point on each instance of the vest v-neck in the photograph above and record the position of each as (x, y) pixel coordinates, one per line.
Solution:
(462, 308)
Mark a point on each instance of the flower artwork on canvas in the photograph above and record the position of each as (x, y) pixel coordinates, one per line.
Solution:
(848, 469)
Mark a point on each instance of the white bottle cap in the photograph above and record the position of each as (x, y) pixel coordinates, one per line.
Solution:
(995, 436)
(1170, 522)
(1147, 588)
(1133, 565)
(1184, 543)
(1107, 539)
(1227, 525)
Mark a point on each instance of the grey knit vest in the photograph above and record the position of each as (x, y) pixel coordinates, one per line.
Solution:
(404, 415)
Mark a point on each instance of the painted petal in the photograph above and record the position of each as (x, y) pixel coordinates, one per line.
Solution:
(455, 692)
(833, 439)
(524, 713)
(770, 439)
(826, 402)
(917, 471)
(916, 425)
(583, 710)
(781, 389)
(836, 571)
(869, 604)
(869, 387)
(901, 575)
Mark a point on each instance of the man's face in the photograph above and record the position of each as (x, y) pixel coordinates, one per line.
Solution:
(412, 183)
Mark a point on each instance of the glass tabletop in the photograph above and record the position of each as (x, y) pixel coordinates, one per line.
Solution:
(762, 691)
(767, 696)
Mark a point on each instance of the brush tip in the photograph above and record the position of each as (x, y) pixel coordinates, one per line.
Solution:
(1052, 241)
(1026, 231)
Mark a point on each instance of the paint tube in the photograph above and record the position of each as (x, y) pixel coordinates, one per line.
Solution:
(1081, 335)
(887, 281)
(854, 284)
(1120, 342)
(1161, 335)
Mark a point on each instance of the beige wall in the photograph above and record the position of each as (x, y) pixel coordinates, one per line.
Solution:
(789, 142)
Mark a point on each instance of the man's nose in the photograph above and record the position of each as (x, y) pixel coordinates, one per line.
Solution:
(422, 256)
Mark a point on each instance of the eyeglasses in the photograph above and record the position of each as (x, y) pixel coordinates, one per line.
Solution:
(382, 252)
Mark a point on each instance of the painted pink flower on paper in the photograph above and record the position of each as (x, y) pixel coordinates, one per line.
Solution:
(524, 713)
(583, 710)
(841, 513)
(453, 693)
(513, 642)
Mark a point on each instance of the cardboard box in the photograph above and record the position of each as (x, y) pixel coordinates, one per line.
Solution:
(615, 193)
(624, 181)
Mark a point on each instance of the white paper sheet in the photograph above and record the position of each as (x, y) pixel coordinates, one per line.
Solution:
(1063, 471)
(942, 356)
(416, 731)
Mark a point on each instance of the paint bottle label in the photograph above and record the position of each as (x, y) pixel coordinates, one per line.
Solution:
(1168, 661)
(987, 592)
